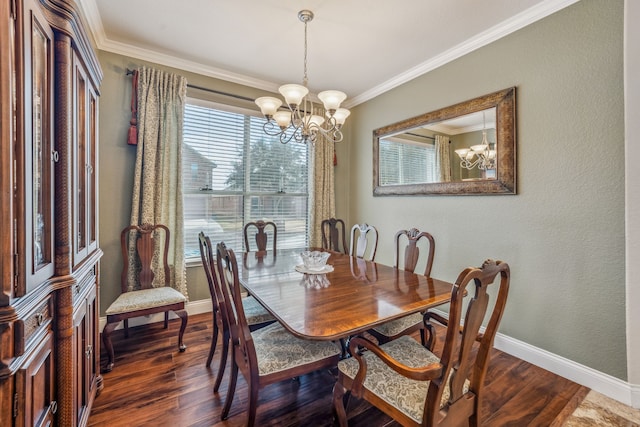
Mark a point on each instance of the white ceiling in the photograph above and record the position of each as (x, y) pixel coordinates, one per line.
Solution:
(362, 47)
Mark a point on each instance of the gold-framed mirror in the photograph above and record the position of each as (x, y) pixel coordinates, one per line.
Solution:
(466, 148)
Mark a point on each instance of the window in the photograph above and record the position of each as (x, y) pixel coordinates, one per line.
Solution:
(233, 173)
(407, 162)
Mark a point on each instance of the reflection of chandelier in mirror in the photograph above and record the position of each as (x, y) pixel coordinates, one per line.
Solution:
(480, 155)
(303, 122)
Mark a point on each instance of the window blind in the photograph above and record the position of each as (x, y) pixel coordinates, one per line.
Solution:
(402, 162)
(234, 173)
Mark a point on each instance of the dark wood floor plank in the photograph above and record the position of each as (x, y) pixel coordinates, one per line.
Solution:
(152, 384)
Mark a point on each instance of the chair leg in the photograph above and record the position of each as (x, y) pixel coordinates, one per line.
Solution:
(230, 391)
(183, 325)
(126, 328)
(214, 339)
(339, 403)
(166, 319)
(106, 339)
(253, 403)
(223, 361)
(423, 338)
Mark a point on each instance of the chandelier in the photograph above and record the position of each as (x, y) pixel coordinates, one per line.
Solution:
(481, 156)
(303, 121)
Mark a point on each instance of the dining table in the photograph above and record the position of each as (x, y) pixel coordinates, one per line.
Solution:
(350, 296)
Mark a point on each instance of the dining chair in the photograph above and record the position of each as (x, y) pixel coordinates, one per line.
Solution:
(408, 324)
(261, 236)
(333, 235)
(413, 385)
(257, 316)
(364, 240)
(267, 355)
(147, 299)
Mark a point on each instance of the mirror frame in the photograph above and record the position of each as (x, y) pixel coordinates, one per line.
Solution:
(505, 182)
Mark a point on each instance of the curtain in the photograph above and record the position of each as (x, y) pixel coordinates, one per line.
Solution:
(157, 187)
(323, 204)
(443, 161)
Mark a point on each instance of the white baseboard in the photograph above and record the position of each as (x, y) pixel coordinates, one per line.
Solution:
(622, 391)
(608, 385)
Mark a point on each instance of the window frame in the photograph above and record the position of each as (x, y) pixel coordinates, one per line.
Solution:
(245, 194)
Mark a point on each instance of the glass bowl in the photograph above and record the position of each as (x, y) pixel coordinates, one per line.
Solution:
(314, 260)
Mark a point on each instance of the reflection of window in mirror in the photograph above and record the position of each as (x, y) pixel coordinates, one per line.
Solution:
(408, 158)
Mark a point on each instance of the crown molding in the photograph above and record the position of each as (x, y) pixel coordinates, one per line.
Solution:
(90, 10)
(494, 33)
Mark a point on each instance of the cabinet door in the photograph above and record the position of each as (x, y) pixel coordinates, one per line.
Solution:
(35, 387)
(85, 328)
(85, 105)
(34, 152)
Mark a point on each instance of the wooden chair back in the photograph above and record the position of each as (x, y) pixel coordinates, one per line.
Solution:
(147, 236)
(261, 236)
(229, 293)
(333, 235)
(412, 251)
(363, 237)
(208, 263)
(458, 360)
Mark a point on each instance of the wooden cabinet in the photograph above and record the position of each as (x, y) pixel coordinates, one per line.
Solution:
(86, 359)
(49, 246)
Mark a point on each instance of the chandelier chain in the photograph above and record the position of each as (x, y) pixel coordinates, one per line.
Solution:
(305, 79)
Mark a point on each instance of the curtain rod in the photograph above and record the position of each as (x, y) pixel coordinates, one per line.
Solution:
(218, 92)
(421, 136)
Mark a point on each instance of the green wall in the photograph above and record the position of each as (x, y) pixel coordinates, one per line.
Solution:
(562, 234)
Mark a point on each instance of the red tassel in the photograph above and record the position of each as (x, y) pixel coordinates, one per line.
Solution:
(132, 137)
(335, 158)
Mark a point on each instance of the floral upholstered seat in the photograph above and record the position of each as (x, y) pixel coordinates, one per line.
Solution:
(405, 394)
(145, 298)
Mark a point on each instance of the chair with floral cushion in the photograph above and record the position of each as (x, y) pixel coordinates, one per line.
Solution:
(364, 241)
(147, 299)
(408, 324)
(417, 387)
(261, 235)
(257, 316)
(267, 355)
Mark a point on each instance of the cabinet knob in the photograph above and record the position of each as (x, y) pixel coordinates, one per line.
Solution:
(39, 318)
(53, 406)
(89, 351)
(55, 156)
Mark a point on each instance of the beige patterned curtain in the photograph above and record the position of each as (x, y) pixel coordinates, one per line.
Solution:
(157, 187)
(323, 203)
(443, 161)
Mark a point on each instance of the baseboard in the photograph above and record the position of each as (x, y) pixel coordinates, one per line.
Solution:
(622, 391)
(603, 383)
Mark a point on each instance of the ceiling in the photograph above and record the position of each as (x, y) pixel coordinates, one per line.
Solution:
(361, 47)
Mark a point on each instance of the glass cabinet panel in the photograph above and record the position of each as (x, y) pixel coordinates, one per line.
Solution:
(85, 104)
(35, 161)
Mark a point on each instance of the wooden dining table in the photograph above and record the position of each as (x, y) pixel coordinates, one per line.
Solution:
(356, 296)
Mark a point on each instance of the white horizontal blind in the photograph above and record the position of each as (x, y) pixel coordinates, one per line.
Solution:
(234, 173)
(406, 163)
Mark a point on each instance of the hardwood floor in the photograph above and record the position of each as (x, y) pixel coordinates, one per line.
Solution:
(152, 384)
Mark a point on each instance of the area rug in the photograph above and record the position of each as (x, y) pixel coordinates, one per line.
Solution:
(599, 410)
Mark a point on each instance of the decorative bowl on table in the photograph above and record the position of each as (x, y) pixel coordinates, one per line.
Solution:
(314, 262)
